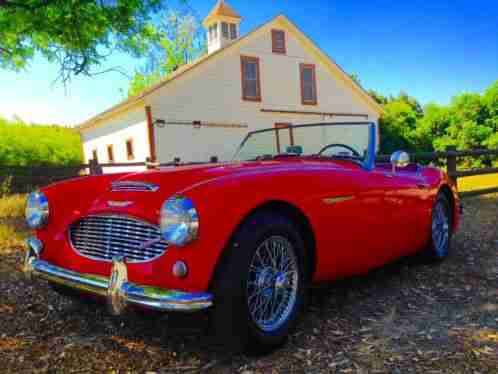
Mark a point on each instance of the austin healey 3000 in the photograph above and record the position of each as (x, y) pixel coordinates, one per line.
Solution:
(244, 239)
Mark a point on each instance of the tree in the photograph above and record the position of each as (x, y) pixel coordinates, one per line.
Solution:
(397, 126)
(179, 40)
(78, 35)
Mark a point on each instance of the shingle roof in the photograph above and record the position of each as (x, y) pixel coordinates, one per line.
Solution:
(223, 9)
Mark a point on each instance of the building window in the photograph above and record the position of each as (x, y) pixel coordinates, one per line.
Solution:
(215, 31)
(251, 87)
(129, 149)
(278, 41)
(308, 84)
(110, 153)
(224, 29)
(233, 31)
(94, 155)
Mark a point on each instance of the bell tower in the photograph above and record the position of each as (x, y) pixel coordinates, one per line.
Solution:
(222, 26)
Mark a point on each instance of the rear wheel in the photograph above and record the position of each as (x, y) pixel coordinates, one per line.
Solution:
(441, 230)
(259, 287)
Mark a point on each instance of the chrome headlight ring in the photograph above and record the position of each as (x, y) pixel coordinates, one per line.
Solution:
(179, 221)
(37, 210)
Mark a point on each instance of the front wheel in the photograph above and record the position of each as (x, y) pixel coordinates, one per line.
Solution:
(259, 287)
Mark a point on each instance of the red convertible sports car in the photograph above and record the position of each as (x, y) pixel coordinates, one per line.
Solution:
(243, 239)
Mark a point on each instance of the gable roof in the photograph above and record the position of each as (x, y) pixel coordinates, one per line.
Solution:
(333, 68)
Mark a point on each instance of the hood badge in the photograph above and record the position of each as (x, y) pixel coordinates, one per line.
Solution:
(119, 204)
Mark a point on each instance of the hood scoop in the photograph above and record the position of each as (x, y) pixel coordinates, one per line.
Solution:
(132, 186)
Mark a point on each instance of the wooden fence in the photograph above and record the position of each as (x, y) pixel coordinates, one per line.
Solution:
(23, 179)
(450, 161)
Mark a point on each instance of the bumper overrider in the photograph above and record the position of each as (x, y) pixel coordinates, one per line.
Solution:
(118, 292)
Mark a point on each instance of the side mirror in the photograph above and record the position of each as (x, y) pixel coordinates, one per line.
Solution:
(399, 159)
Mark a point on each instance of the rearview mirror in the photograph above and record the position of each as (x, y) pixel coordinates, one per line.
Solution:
(399, 159)
(294, 150)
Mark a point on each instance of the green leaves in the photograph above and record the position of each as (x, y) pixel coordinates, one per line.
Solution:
(470, 121)
(76, 34)
(176, 41)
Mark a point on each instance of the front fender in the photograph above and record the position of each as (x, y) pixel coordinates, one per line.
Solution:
(223, 205)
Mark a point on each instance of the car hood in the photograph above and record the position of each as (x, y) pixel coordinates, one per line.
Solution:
(178, 180)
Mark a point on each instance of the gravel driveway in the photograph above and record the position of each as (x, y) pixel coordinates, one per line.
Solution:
(403, 318)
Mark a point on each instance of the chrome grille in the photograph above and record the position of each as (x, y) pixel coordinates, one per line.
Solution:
(134, 186)
(106, 236)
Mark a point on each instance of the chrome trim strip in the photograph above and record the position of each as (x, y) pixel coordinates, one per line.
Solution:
(129, 293)
(337, 199)
(369, 163)
(134, 186)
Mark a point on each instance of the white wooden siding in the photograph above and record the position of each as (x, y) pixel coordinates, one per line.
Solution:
(213, 93)
(129, 125)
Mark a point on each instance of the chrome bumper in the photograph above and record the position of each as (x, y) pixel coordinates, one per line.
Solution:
(116, 289)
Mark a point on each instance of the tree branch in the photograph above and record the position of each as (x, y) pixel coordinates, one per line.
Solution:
(5, 50)
(17, 4)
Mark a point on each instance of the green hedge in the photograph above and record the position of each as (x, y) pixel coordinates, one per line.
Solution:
(23, 144)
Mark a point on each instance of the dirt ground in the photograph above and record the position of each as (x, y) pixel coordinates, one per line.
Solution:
(403, 318)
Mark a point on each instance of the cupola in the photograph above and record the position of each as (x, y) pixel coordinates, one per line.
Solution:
(222, 26)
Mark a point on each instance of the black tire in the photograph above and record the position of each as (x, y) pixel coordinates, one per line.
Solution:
(231, 318)
(434, 251)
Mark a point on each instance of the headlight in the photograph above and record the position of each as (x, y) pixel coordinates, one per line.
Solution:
(179, 221)
(36, 210)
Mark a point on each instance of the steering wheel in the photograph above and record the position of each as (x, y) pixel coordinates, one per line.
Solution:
(352, 150)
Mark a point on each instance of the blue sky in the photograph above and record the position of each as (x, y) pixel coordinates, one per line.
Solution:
(433, 50)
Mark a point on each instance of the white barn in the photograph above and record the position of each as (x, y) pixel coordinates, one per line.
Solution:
(272, 76)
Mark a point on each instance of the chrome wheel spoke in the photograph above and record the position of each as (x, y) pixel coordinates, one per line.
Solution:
(272, 283)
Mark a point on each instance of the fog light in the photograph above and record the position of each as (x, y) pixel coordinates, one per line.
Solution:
(180, 269)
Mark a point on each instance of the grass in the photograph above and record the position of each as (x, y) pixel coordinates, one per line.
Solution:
(477, 182)
(12, 206)
(13, 230)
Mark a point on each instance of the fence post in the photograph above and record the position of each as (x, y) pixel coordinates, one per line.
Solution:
(94, 167)
(451, 164)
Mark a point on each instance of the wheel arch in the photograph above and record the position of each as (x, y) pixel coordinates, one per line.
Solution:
(295, 215)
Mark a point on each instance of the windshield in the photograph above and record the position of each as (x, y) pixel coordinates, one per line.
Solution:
(334, 140)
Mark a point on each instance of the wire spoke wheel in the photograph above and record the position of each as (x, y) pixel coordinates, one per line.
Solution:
(440, 229)
(272, 284)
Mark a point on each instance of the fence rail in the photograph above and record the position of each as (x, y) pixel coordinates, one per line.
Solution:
(25, 178)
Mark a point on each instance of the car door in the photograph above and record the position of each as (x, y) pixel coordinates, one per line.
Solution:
(381, 221)
(355, 221)
(404, 207)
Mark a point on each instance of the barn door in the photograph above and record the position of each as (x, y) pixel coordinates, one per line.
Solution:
(283, 136)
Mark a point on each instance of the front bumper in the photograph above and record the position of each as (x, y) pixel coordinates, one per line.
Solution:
(118, 292)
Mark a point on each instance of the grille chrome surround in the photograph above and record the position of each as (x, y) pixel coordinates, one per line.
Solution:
(131, 186)
(102, 237)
